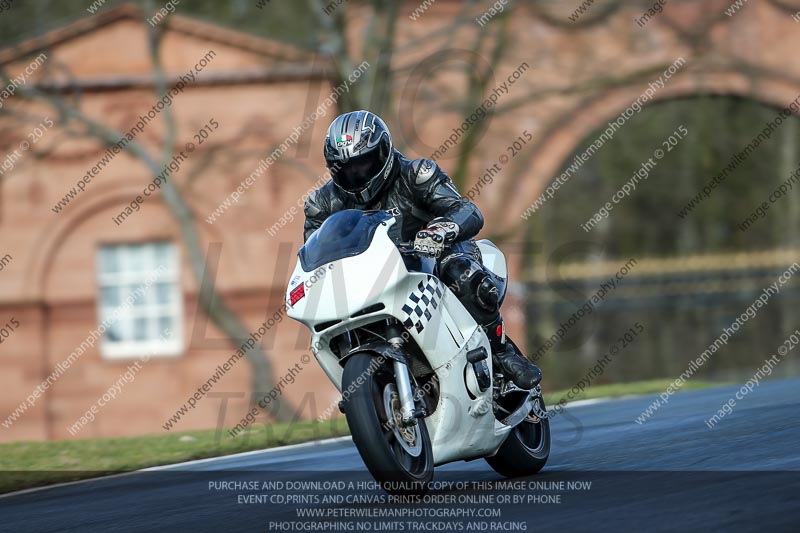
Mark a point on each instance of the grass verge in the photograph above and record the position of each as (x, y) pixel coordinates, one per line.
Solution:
(616, 390)
(31, 464)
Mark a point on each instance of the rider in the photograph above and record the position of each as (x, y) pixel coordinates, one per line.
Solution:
(368, 173)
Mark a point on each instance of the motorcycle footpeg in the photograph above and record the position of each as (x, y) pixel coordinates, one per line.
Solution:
(509, 387)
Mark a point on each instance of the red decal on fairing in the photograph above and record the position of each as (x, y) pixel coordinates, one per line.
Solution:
(296, 294)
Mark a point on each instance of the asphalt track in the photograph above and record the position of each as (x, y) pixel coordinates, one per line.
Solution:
(670, 473)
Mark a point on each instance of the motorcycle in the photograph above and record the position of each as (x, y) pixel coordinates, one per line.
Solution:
(414, 368)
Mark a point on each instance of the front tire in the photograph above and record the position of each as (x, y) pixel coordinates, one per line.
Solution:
(399, 458)
(526, 450)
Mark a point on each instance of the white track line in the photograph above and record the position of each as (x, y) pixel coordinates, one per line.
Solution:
(593, 401)
(265, 451)
(65, 484)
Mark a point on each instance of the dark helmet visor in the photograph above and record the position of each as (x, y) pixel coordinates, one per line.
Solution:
(357, 173)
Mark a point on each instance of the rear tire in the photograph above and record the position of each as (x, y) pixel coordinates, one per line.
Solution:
(401, 460)
(525, 451)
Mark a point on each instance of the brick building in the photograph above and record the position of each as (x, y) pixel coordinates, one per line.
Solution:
(89, 284)
(83, 225)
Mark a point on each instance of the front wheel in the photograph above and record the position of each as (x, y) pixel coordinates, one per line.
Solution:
(526, 449)
(399, 457)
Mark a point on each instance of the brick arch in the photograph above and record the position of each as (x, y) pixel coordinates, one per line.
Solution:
(568, 131)
(51, 239)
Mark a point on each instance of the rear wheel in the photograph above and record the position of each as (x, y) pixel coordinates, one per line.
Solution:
(399, 457)
(527, 447)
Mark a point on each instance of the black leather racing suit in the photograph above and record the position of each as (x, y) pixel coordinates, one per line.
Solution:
(418, 192)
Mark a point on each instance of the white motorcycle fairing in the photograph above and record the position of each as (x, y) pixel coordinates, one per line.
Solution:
(353, 292)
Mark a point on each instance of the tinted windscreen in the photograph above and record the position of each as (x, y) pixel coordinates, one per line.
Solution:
(343, 234)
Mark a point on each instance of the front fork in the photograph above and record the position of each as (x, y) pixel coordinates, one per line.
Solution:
(407, 407)
(408, 410)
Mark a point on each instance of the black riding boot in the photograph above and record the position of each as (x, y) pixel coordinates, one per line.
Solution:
(511, 362)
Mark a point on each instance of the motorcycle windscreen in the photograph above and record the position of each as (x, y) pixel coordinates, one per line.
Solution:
(343, 234)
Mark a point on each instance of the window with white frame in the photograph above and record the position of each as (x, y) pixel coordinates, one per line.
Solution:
(140, 304)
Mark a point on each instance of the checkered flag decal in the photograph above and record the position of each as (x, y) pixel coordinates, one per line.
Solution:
(416, 309)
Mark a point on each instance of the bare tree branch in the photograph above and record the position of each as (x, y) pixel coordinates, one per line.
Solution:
(211, 303)
(381, 79)
(335, 46)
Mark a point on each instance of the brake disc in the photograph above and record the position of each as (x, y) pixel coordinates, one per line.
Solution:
(408, 436)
